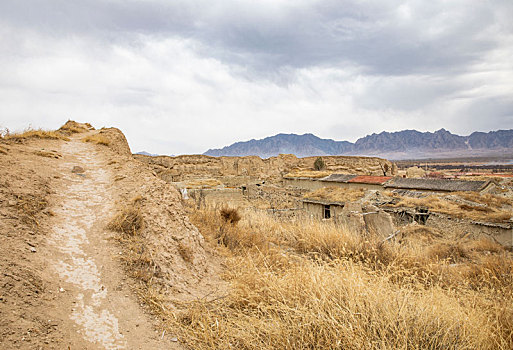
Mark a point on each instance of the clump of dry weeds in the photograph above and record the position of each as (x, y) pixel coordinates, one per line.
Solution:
(34, 134)
(202, 183)
(230, 215)
(128, 219)
(72, 127)
(97, 139)
(48, 154)
(336, 194)
(186, 252)
(314, 174)
(488, 208)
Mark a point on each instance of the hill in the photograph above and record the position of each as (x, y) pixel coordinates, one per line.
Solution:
(84, 228)
(395, 145)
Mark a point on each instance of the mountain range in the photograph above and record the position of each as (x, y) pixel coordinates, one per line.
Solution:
(406, 144)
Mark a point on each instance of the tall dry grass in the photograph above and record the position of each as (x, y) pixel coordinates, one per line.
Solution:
(486, 207)
(337, 194)
(202, 183)
(97, 139)
(72, 127)
(314, 174)
(313, 285)
(34, 134)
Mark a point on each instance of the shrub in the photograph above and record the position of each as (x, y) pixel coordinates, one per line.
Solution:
(319, 164)
(229, 215)
(128, 221)
(97, 139)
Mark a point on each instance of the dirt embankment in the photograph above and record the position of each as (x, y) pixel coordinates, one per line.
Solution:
(26, 172)
(167, 249)
(67, 280)
(182, 167)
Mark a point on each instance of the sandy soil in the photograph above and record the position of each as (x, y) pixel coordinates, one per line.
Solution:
(102, 312)
(62, 285)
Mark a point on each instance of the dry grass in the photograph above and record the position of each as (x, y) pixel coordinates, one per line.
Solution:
(128, 219)
(314, 174)
(186, 252)
(312, 285)
(336, 194)
(230, 215)
(478, 212)
(47, 154)
(72, 127)
(484, 198)
(97, 139)
(202, 183)
(35, 134)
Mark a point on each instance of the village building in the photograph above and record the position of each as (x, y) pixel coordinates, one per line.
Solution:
(438, 185)
(367, 182)
(322, 209)
(397, 184)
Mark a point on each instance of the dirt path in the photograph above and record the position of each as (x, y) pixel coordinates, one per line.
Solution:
(93, 301)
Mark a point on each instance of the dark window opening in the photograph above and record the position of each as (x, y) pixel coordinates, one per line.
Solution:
(421, 215)
(327, 212)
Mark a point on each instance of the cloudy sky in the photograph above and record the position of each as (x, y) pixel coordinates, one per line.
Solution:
(182, 76)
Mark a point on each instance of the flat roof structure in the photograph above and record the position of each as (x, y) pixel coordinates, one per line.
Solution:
(444, 185)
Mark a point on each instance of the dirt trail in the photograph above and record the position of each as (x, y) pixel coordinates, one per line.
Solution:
(94, 300)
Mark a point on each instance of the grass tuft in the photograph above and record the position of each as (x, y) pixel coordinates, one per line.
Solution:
(230, 215)
(487, 208)
(97, 139)
(336, 194)
(202, 183)
(128, 220)
(314, 174)
(186, 252)
(72, 127)
(35, 134)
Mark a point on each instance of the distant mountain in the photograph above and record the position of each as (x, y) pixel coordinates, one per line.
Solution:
(300, 145)
(144, 153)
(396, 145)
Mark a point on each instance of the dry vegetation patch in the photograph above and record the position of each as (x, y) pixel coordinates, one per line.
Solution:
(97, 139)
(487, 208)
(35, 134)
(72, 127)
(336, 194)
(314, 174)
(202, 183)
(128, 219)
(313, 285)
(48, 154)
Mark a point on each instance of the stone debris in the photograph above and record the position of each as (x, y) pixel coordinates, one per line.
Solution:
(77, 170)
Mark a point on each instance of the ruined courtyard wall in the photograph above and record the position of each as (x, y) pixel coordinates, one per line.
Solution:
(195, 166)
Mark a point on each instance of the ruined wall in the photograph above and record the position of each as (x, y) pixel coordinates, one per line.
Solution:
(502, 234)
(304, 183)
(315, 184)
(195, 166)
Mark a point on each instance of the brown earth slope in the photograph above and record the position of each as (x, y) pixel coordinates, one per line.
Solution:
(69, 282)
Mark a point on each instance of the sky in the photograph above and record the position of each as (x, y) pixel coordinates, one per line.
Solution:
(183, 76)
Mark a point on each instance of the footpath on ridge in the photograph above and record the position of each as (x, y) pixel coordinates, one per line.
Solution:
(93, 297)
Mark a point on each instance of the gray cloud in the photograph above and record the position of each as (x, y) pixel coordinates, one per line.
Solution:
(233, 70)
(382, 37)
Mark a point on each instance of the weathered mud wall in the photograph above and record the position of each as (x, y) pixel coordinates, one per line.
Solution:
(189, 166)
